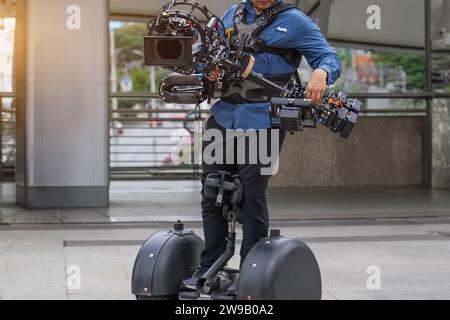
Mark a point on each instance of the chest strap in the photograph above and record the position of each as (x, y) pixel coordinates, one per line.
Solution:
(254, 44)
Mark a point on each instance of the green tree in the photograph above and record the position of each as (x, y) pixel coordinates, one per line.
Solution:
(129, 40)
(412, 64)
(345, 56)
(141, 79)
(130, 49)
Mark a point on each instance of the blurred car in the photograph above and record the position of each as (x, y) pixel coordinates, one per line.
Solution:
(116, 129)
(156, 123)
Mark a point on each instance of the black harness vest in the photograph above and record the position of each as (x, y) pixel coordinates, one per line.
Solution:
(245, 39)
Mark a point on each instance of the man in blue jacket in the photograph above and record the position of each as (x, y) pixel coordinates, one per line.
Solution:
(285, 33)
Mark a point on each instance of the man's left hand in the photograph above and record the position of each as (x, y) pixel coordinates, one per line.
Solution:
(316, 86)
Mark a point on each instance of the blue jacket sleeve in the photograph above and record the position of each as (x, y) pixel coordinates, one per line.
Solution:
(309, 40)
(228, 18)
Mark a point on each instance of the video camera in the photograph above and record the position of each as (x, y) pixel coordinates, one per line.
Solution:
(186, 38)
(179, 39)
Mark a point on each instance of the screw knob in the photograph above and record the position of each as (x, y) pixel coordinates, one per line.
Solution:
(275, 233)
(178, 226)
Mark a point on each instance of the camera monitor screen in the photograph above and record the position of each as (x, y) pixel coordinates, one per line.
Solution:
(168, 51)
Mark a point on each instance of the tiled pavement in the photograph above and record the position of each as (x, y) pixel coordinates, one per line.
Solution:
(413, 256)
(38, 248)
(155, 201)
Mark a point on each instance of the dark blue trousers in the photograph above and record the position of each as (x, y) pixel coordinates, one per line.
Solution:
(255, 211)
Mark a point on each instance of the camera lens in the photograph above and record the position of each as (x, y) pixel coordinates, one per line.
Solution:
(169, 49)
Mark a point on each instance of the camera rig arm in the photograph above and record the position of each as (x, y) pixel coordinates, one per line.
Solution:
(292, 112)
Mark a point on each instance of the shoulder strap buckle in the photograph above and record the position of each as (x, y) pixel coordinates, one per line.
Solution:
(269, 15)
(239, 14)
(270, 12)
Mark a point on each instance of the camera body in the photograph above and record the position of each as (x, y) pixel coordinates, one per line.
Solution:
(182, 89)
(292, 115)
(337, 112)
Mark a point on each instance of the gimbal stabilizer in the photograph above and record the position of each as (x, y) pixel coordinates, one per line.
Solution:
(178, 39)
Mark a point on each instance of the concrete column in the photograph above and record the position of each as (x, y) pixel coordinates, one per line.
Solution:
(63, 145)
(440, 48)
(441, 143)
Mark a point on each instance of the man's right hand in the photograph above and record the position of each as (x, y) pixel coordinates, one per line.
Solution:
(317, 85)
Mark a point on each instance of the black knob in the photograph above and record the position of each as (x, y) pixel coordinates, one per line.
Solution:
(275, 233)
(178, 226)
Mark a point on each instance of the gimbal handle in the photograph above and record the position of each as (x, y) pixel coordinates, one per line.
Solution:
(246, 73)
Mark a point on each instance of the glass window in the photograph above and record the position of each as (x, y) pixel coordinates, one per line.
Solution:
(366, 71)
(7, 125)
(128, 71)
(370, 71)
(7, 29)
(440, 35)
(146, 134)
(379, 107)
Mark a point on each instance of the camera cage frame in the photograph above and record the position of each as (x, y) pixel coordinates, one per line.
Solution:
(209, 33)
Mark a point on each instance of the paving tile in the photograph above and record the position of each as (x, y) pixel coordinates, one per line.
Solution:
(81, 216)
(127, 254)
(169, 200)
(22, 216)
(31, 269)
(128, 268)
(27, 248)
(98, 269)
(3, 267)
(102, 290)
(5, 246)
(378, 253)
(6, 235)
(327, 295)
(36, 290)
(92, 234)
(416, 275)
(38, 235)
(335, 278)
(136, 234)
(100, 252)
(33, 261)
(419, 229)
(411, 293)
(444, 246)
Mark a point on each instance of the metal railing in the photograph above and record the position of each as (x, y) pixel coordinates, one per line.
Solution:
(143, 140)
(7, 136)
(148, 141)
(144, 135)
